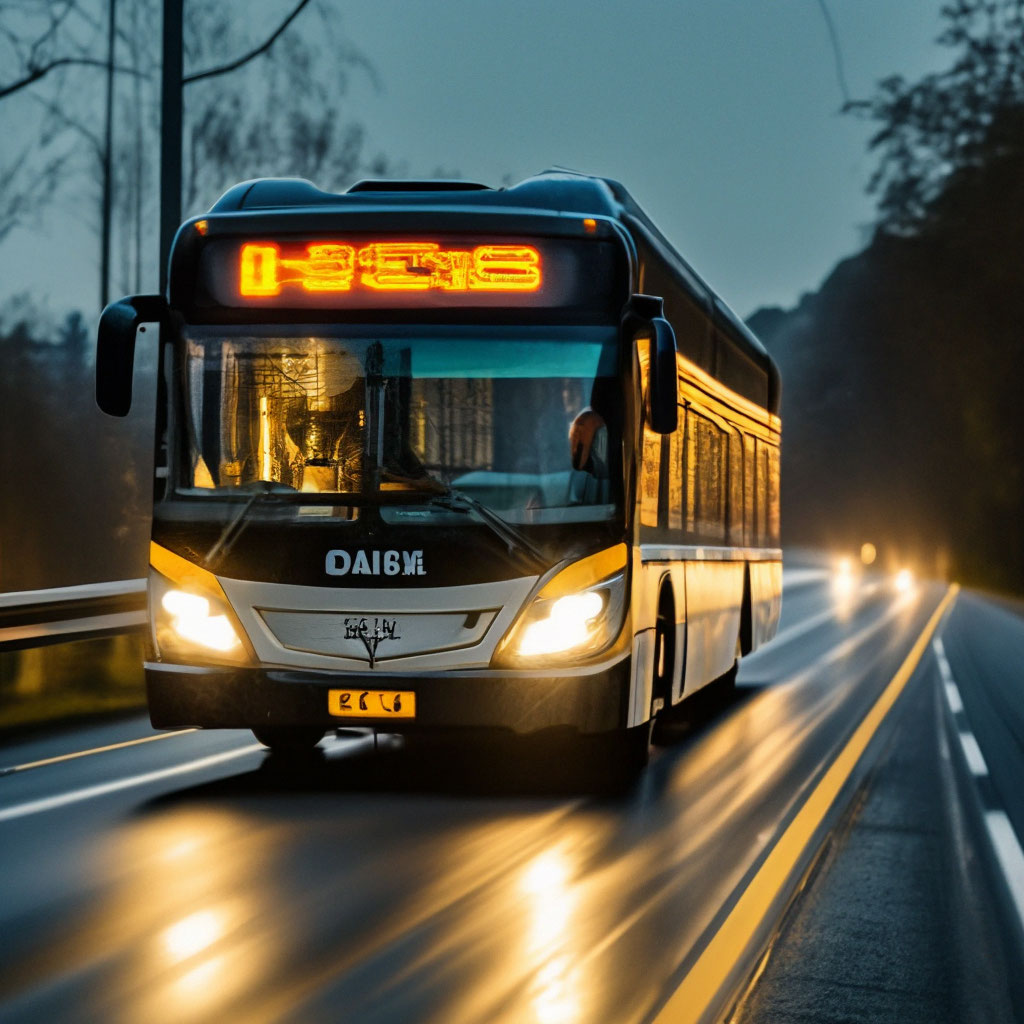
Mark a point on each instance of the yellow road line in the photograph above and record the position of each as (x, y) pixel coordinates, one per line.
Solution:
(700, 989)
(86, 753)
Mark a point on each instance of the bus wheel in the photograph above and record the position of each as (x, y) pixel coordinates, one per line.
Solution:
(289, 739)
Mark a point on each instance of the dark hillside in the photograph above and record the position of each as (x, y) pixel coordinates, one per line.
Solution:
(903, 396)
(903, 399)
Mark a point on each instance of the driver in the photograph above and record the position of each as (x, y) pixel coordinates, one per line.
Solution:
(583, 433)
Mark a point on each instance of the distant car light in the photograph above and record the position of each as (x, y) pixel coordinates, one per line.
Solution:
(844, 581)
(868, 553)
(904, 581)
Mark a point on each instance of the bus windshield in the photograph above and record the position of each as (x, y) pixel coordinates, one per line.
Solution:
(377, 417)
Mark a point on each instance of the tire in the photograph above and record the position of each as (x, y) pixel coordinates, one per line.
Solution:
(289, 739)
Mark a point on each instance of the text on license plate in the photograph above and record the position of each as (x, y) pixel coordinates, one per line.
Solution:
(372, 703)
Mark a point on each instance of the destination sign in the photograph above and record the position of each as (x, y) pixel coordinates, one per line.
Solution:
(265, 268)
(362, 271)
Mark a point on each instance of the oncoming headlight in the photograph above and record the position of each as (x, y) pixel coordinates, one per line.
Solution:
(559, 627)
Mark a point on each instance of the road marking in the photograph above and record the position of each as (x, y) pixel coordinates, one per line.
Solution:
(701, 988)
(1009, 854)
(95, 750)
(940, 656)
(972, 752)
(75, 796)
(953, 699)
(1000, 831)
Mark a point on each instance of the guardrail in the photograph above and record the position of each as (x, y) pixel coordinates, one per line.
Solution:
(34, 618)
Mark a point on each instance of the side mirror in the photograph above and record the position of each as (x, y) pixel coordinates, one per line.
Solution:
(115, 348)
(648, 313)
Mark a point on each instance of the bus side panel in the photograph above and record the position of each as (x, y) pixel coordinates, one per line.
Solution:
(648, 582)
(714, 598)
(765, 600)
(642, 682)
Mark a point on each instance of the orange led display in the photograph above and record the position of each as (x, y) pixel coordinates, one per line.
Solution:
(265, 268)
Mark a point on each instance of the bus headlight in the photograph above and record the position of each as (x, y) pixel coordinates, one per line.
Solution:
(564, 628)
(192, 619)
(187, 624)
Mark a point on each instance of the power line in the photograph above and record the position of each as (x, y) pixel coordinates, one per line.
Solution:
(837, 53)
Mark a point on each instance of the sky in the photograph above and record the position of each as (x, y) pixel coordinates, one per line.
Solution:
(721, 118)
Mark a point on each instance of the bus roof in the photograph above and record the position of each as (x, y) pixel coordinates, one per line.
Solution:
(558, 191)
(543, 199)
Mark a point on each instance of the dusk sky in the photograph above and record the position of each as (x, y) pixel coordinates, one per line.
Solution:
(722, 119)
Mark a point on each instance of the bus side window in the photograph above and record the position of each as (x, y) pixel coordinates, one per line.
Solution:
(774, 538)
(718, 441)
(650, 478)
(735, 511)
(749, 493)
(710, 479)
(761, 532)
(690, 475)
(676, 472)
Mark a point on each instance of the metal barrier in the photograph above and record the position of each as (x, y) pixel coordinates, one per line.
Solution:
(33, 618)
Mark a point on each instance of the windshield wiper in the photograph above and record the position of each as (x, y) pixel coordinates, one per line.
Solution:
(438, 494)
(458, 501)
(233, 529)
(447, 497)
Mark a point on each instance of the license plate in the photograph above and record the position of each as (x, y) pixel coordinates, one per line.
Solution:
(372, 703)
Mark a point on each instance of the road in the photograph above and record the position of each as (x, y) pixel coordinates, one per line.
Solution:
(188, 876)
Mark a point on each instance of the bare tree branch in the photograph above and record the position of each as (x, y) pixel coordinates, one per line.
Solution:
(55, 23)
(36, 74)
(55, 111)
(235, 64)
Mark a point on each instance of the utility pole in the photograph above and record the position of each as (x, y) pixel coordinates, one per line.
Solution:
(108, 165)
(170, 133)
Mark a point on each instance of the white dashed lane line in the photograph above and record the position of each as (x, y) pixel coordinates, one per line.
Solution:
(52, 803)
(1009, 854)
(1000, 831)
(11, 769)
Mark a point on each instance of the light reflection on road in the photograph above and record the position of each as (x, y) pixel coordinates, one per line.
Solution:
(550, 900)
(190, 916)
(342, 891)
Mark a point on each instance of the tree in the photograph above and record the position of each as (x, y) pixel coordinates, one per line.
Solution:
(278, 117)
(949, 124)
(269, 105)
(901, 404)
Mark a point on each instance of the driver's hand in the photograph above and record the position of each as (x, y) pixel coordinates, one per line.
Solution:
(582, 431)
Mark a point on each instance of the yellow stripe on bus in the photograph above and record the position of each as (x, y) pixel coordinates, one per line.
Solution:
(183, 572)
(586, 572)
(701, 988)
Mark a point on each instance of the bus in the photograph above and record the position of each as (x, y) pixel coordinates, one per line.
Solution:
(434, 457)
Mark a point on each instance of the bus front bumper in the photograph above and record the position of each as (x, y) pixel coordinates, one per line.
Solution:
(590, 701)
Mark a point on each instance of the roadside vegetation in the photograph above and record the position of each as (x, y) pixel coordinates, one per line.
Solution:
(903, 373)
